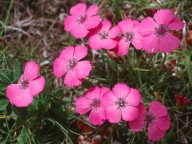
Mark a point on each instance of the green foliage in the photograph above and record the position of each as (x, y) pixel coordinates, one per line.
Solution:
(52, 118)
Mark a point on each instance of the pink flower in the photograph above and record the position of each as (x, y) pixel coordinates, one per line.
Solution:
(69, 63)
(104, 36)
(123, 102)
(92, 102)
(81, 20)
(157, 119)
(130, 34)
(157, 36)
(29, 85)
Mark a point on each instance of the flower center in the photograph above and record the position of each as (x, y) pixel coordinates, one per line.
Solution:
(96, 103)
(81, 19)
(23, 83)
(121, 103)
(149, 118)
(128, 36)
(71, 64)
(103, 35)
(161, 30)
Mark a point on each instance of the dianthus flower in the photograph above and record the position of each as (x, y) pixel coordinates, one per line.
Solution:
(157, 36)
(29, 85)
(157, 119)
(103, 36)
(92, 102)
(81, 20)
(123, 102)
(69, 63)
(130, 35)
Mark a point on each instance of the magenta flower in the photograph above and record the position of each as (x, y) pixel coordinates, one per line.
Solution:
(130, 34)
(123, 102)
(157, 119)
(104, 36)
(157, 36)
(82, 20)
(68, 63)
(92, 102)
(29, 85)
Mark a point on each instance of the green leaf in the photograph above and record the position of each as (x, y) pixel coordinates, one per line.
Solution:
(16, 69)
(4, 78)
(3, 104)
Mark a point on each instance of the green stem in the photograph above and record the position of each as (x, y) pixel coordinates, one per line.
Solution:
(188, 66)
(6, 19)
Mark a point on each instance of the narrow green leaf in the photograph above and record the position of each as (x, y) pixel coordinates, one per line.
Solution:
(3, 104)
(16, 69)
(4, 78)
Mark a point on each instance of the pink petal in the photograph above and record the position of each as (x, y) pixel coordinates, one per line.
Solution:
(114, 32)
(93, 92)
(138, 124)
(17, 96)
(70, 23)
(92, 22)
(164, 16)
(71, 79)
(126, 25)
(176, 24)
(80, 31)
(83, 69)
(78, 9)
(97, 117)
(92, 10)
(108, 43)
(106, 25)
(154, 133)
(157, 109)
(80, 52)
(121, 90)
(130, 113)
(147, 26)
(168, 43)
(95, 42)
(150, 43)
(122, 48)
(134, 97)
(108, 99)
(31, 70)
(59, 67)
(82, 105)
(136, 41)
(67, 53)
(36, 86)
(163, 123)
(113, 115)
(94, 31)
(103, 91)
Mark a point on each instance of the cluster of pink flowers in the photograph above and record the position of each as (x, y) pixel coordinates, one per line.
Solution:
(151, 34)
(122, 102)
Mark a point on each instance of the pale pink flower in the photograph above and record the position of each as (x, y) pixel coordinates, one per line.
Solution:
(123, 102)
(92, 102)
(29, 85)
(157, 36)
(81, 20)
(130, 35)
(68, 63)
(157, 119)
(104, 36)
